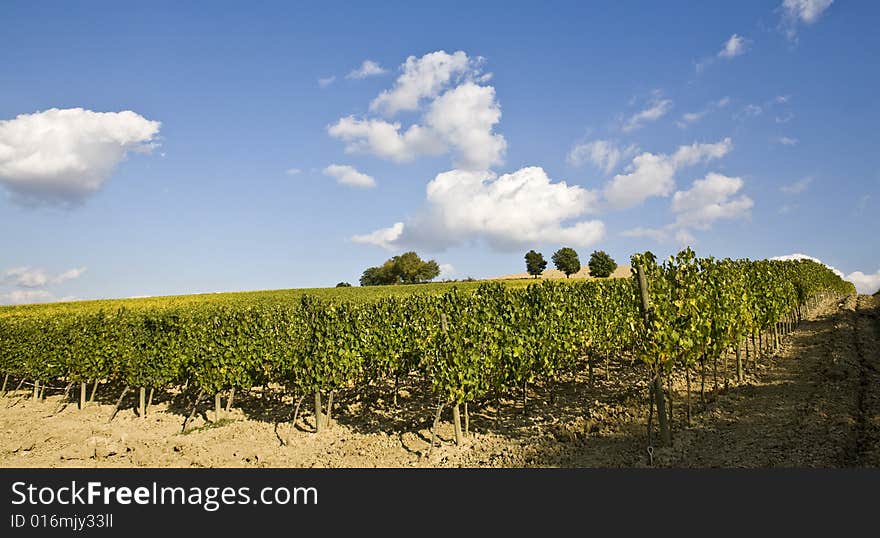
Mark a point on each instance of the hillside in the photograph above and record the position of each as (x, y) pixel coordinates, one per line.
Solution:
(622, 271)
(356, 294)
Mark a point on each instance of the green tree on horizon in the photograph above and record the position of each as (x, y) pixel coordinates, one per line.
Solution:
(601, 264)
(535, 263)
(566, 260)
(406, 268)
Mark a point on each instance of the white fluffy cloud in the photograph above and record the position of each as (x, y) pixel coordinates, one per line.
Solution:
(367, 69)
(655, 110)
(349, 175)
(648, 175)
(424, 78)
(654, 174)
(787, 141)
(523, 206)
(464, 118)
(708, 200)
(461, 119)
(733, 47)
(868, 284)
(30, 277)
(65, 155)
(508, 211)
(384, 237)
(604, 154)
(385, 139)
(324, 82)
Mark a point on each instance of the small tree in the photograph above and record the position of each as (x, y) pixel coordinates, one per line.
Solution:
(343, 285)
(566, 260)
(601, 264)
(406, 268)
(535, 263)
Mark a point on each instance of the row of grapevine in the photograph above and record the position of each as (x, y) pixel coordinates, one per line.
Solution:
(495, 339)
(701, 307)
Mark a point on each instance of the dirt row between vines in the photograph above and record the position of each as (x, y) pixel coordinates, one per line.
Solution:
(816, 403)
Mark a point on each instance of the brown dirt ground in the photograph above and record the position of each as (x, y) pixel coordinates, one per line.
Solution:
(816, 403)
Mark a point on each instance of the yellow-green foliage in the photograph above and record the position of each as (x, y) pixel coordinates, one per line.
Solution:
(466, 339)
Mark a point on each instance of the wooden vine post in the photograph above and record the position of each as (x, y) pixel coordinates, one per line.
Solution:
(456, 410)
(82, 394)
(228, 400)
(456, 420)
(94, 391)
(657, 381)
(318, 411)
(739, 364)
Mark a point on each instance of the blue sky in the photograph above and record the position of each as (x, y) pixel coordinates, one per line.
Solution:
(260, 151)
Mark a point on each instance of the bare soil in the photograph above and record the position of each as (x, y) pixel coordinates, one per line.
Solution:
(814, 403)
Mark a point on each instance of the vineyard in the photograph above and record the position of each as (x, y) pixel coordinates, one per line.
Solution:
(466, 343)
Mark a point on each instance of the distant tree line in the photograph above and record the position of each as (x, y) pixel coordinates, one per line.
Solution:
(566, 260)
(409, 268)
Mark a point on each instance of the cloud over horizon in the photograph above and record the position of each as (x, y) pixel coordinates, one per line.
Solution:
(29, 284)
(508, 211)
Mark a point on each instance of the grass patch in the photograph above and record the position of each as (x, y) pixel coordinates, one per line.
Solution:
(210, 426)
